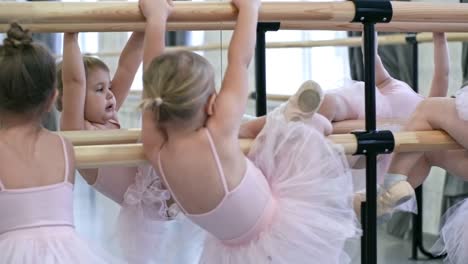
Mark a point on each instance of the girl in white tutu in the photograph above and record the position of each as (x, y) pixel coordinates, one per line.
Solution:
(36, 166)
(289, 201)
(395, 102)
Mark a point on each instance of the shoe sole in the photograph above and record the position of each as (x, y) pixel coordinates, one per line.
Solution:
(385, 217)
(406, 195)
(310, 99)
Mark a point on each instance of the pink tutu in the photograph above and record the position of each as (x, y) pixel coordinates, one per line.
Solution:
(49, 245)
(312, 186)
(454, 234)
(146, 234)
(352, 94)
(461, 101)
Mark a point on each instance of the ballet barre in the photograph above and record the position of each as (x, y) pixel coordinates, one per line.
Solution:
(128, 12)
(91, 156)
(132, 135)
(102, 137)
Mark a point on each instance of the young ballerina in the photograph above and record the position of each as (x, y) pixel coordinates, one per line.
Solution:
(90, 100)
(36, 166)
(395, 99)
(450, 115)
(289, 202)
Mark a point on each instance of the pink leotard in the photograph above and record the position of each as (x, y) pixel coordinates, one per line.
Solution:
(50, 205)
(401, 98)
(243, 212)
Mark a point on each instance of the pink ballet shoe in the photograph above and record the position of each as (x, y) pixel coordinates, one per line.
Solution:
(305, 102)
(387, 200)
(396, 195)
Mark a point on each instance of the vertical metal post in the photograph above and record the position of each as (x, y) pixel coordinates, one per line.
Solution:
(260, 66)
(416, 222)
(371, 157)
(371, 142)
(260, 73)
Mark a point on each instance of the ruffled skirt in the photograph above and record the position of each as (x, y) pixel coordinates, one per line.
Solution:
(454, 234)
(49, 245)
(312, 185)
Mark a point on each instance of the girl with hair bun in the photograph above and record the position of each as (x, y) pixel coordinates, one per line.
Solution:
(36, 165)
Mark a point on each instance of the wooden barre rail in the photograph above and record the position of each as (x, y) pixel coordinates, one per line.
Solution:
(104, 12)
(108, 12)
(132, 154)
(343, 42)
(132, 135)
(102, 137)
(210, 26)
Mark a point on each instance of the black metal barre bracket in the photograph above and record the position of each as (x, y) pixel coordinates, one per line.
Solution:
(260, 65)
(372, 11)
(268, 26)
(411, 38)
(378, 142)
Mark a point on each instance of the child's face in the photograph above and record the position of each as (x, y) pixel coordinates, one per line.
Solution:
(100, 101)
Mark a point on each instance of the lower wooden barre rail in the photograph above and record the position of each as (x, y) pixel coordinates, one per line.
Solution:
(120, 155)
(109, 155)
(209, 26)
(132, 154)
(102, 137)
(132, 135)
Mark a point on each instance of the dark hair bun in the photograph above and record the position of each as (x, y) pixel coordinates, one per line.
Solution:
(17, 37)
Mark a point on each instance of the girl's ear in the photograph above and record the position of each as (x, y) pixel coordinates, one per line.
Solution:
(209, 108)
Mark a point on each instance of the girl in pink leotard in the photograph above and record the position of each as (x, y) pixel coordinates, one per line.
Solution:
(289, 201)
(90, 100)
(36, 166)
(395, 102)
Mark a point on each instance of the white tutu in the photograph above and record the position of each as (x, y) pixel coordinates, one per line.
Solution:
(313, 189)
(49, 245)
(461, 101)
(454, 234)
(146, 233)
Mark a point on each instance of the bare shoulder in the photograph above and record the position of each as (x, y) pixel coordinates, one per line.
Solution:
(227, 145)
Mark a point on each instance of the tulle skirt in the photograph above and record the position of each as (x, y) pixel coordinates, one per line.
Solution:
(312, 185)
(49, 245)
(146, 235)
(454, 234)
